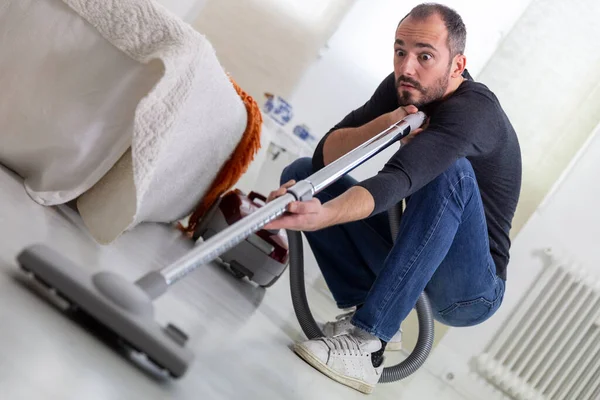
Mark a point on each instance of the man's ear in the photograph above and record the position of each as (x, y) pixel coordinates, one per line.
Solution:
(458, 65)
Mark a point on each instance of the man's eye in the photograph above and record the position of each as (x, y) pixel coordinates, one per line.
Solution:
(400, 53)
(426, 57)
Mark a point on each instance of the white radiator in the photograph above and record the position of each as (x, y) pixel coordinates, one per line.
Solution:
(550, 348)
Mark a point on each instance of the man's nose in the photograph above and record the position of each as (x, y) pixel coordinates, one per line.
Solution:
(408, 66)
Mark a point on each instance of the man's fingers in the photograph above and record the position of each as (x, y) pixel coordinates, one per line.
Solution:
(411, 109)
(281, 191)
(305, 207)
(289, 184)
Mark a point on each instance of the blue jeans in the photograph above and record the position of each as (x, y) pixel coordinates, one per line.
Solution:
(442, 248)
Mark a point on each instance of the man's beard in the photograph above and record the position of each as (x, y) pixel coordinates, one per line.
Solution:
(428, 95)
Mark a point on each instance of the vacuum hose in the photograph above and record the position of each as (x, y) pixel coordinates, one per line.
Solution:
(312, 331)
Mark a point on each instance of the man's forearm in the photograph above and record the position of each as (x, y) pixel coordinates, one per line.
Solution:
(343, 140)
(354, 204)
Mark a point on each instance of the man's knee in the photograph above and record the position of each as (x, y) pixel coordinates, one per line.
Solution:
(458, 177)
(300, 169)
(457, 182)
(460, 168)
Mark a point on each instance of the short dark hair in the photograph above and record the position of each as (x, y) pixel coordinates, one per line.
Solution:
(457, 32)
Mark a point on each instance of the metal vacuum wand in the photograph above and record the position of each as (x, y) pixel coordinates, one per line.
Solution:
(302, 191)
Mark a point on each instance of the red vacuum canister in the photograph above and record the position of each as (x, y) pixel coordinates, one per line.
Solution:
(263, 256)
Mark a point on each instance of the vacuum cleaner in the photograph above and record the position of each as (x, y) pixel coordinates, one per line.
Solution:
(263, 256)
(125, 308)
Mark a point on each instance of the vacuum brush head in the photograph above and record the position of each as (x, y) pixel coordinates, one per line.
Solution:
(119, 306)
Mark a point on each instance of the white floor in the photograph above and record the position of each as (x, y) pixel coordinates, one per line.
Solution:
(240, 334)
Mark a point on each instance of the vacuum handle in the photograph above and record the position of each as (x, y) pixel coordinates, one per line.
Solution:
(254, 195)
(303, 190)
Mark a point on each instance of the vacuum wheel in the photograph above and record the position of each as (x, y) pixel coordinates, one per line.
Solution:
(51, 293)
(237, 274)
(172, 374)
(138, 356)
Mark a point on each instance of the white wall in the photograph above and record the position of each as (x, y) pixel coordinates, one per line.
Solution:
(267, 45)
(546, 74)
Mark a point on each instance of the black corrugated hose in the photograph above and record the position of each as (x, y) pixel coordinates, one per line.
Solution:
(310, 328)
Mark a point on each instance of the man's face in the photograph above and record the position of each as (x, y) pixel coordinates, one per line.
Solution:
(421, 60)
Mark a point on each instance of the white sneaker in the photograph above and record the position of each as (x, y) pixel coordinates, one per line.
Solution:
(343, 325)
(345, 358)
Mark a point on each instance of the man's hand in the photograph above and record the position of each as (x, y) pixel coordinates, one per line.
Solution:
(301, 215)
(306, 216)
(354, 204)
(399, 113)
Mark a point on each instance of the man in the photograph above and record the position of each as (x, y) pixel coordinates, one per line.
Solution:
(460, 176)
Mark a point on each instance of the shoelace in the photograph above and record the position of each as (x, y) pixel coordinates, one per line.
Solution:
(344, 345)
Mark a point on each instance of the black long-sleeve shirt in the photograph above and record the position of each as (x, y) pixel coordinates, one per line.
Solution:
(470, 123)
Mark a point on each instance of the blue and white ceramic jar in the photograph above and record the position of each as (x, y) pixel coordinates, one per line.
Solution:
(278, 109)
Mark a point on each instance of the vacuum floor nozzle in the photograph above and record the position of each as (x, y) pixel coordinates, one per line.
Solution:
(129, 315)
